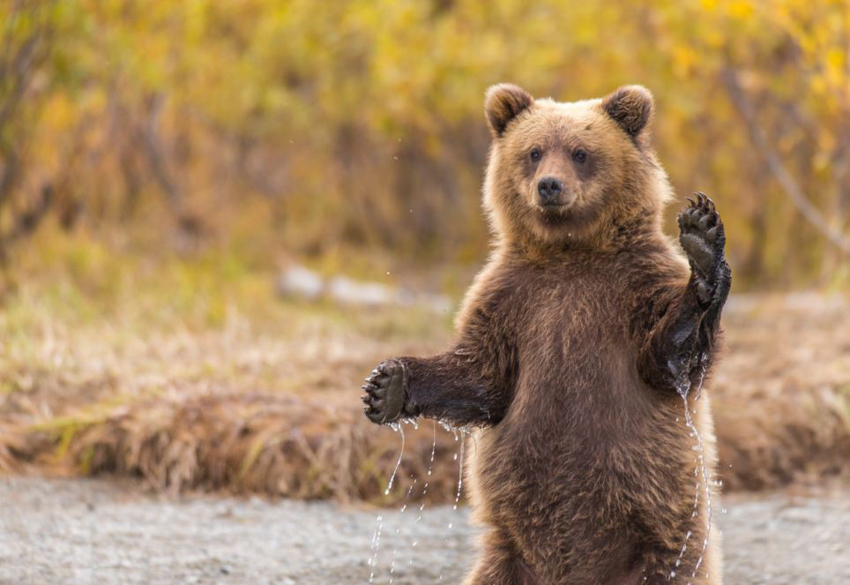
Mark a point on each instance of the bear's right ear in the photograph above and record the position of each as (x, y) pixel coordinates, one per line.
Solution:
(503, 103)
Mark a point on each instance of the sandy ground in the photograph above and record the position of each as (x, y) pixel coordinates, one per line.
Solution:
(101, 532)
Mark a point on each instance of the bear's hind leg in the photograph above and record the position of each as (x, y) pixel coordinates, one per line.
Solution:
(499, 564)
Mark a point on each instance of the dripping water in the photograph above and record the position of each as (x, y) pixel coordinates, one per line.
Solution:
(397, 428)
(398, 528)
(460, 468)
(375, 547)
(459, 458)
(428, 475)
(683, 388)
(427, 482)
(705, 480)
(379, 521)
(460, 436)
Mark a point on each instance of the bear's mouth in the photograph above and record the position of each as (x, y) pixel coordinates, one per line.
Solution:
(551, 205)
(553, 208)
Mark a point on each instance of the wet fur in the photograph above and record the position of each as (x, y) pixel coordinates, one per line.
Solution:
(583, 470)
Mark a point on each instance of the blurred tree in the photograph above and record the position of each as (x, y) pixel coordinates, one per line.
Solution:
(25, 41)
(358, 123)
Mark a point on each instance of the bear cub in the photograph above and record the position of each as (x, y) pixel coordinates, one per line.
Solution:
(579, 347)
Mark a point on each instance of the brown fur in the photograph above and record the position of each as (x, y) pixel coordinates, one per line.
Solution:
(583, 472)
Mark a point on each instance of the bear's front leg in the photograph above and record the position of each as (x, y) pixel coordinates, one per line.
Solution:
(450, 387)
(682, 343)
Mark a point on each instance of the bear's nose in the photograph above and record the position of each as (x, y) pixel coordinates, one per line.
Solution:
(549, 188)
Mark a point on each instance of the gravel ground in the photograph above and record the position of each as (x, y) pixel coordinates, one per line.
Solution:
(100, 532)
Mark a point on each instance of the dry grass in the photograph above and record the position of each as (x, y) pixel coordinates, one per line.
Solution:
(278, 445)
(192, 379)
(782, 392)
(236, 390)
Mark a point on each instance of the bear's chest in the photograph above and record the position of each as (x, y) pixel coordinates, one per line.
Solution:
(565, 314)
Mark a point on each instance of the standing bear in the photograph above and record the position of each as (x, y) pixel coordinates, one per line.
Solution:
(580, 353)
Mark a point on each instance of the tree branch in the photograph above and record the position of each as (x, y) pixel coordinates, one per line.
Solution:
(156, 158)
(774, 163)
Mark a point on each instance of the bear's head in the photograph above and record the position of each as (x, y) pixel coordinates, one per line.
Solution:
(571, 172)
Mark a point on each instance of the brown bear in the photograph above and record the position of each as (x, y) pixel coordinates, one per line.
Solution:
(580, 354)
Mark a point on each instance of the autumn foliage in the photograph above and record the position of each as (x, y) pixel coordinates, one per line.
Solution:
(357, 125)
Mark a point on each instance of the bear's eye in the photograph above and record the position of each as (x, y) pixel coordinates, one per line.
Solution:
(579, 156)
(535, 154)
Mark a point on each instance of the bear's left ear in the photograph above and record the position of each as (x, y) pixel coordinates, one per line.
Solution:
(631, 107)
(503, 103)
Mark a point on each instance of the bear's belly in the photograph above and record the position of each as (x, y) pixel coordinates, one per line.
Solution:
(572, 473)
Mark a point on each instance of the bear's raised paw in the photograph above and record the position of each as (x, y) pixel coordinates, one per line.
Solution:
(703, 238)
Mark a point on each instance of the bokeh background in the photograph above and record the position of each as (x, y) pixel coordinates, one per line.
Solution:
(217, 215)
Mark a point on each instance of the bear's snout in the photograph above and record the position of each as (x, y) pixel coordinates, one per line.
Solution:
(549, 189)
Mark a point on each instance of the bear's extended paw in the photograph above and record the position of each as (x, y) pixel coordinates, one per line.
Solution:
(386, 392)
(702, 237)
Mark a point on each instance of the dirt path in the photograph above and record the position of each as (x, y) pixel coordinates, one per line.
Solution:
(98, 532)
